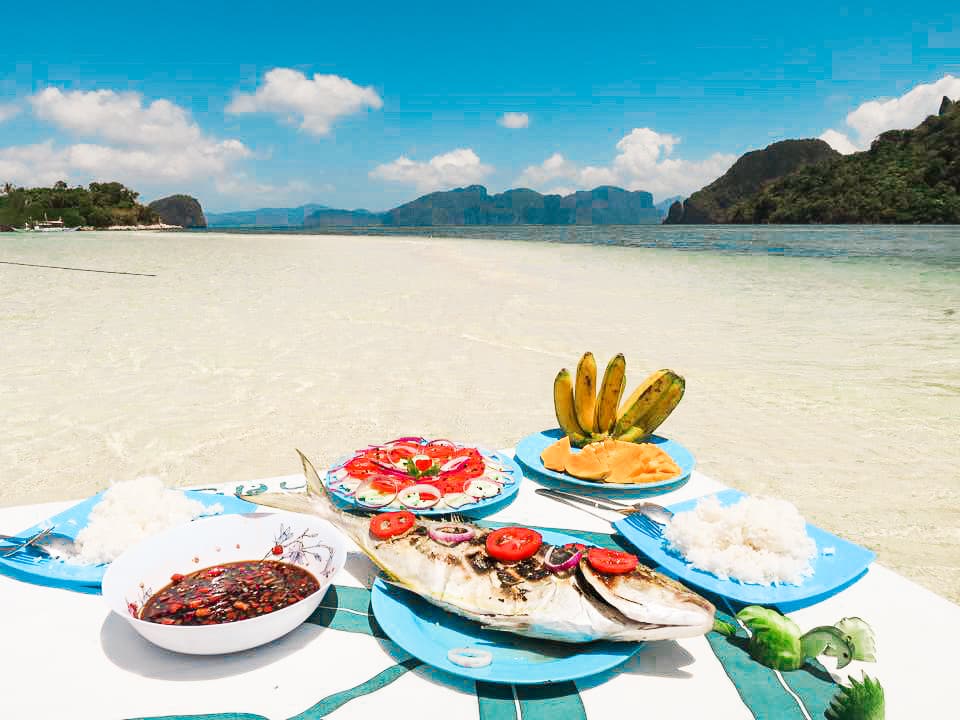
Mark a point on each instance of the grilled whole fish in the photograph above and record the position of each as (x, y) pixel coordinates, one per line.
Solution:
(575, 606)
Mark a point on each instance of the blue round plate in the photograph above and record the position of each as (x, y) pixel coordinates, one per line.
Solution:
(428, 633)
(528, 454)
(482, 507)
(42, 570)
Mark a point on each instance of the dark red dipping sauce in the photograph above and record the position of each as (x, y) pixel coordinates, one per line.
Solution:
(229, 592)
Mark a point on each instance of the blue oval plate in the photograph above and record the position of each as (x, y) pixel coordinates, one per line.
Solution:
(486, 506)
(428, 633)
(528, 452)
(42, 570)
(832, 571)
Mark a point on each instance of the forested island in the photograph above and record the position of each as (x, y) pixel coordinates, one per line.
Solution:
(906, 177)
(98, 205)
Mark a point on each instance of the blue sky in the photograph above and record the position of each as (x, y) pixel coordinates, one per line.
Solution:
(348, 105)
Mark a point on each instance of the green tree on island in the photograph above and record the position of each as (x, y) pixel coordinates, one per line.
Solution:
(97, 205)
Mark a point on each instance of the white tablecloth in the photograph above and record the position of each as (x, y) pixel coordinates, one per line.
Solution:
(66, 656)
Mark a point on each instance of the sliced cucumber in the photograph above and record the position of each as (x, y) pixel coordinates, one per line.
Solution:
(481, 488)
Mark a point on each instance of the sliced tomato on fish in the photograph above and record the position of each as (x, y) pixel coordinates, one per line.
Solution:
(513, 544)
(388, 525)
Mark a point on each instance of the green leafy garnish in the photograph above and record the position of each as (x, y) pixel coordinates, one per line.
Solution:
(861, 701)
(412, 469)
(724, 628)
(776, 640)
(861, 637)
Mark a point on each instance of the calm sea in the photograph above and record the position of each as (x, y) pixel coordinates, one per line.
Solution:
(937, 245)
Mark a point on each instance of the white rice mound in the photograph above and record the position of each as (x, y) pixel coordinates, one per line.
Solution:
(757, 540)
(129, 512)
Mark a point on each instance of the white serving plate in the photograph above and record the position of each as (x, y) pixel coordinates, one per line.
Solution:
(308, 542)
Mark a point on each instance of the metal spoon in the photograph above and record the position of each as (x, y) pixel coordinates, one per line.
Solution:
(657, 513)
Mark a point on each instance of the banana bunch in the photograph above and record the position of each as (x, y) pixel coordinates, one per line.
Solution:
(587, 415)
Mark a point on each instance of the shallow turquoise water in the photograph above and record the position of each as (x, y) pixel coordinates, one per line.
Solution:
(936, 245)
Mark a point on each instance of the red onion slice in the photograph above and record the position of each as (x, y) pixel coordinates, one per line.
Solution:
(411, 497)
(390, 469)
(451, 534)
(560, 558)
(453, 464)
(443, 443)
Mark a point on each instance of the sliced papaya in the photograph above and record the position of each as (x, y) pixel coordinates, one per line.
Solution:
(555, 456)
(587, 464)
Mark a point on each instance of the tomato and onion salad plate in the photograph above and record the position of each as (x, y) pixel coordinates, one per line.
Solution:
(426, 477)
(434, 635)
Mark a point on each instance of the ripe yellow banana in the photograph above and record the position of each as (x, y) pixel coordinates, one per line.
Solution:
(664, 406)
(650, 402)
(564, 407)
(611, 390)
(585, 392)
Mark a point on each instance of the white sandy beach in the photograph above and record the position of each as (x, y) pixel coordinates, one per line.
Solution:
(834, 384)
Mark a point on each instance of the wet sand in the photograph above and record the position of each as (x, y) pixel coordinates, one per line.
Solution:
(832, 383)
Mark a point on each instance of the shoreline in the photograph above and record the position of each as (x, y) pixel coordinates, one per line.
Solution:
(157, 227)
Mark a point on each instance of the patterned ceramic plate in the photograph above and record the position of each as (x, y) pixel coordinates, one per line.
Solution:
(425, 477)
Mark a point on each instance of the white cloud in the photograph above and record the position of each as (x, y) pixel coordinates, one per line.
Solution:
(8, 110)
(839, 142)
(317, 102)
(45, 163)
(39, 164)
(514, 120)
(554, 167)
(455, 168)
(642, 163)
(154, 145)
(117, 117)
(900, 113)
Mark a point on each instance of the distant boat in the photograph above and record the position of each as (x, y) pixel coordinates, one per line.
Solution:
(46, 226)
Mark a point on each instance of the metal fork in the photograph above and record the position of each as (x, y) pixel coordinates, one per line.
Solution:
(32, 542)
(649, 527)
(656, 513)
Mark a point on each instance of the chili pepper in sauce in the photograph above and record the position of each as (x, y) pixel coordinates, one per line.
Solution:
(229, 592)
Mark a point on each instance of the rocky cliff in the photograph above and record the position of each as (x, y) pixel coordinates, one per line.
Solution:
(712, 204)
(907, 176)
(473, 205)
(180, 210)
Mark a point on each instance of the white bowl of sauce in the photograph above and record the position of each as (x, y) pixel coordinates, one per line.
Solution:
(227, 583)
